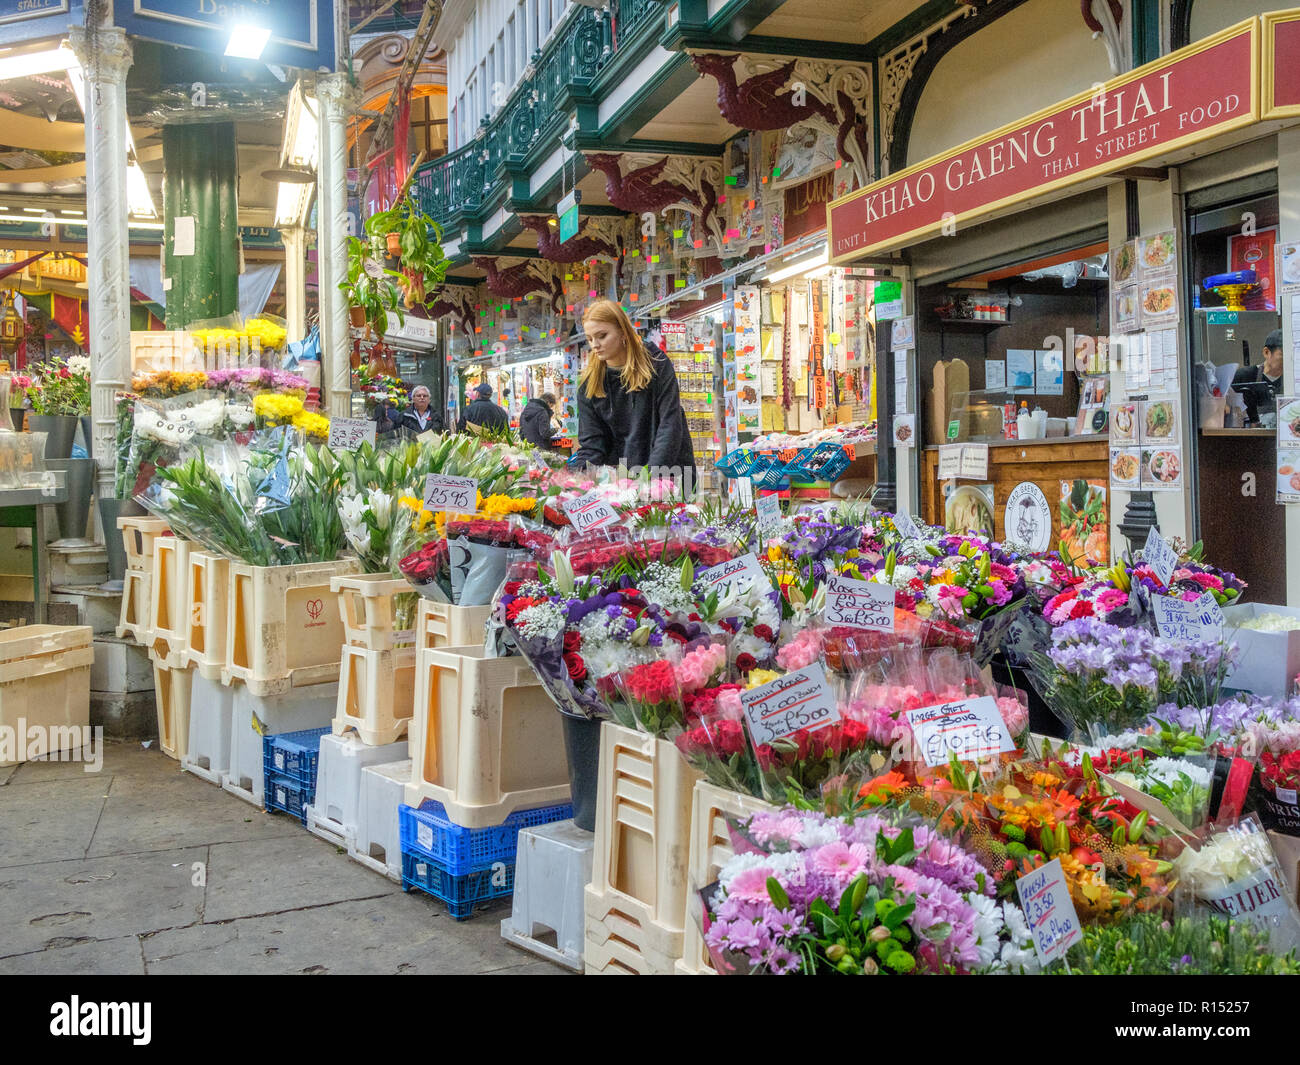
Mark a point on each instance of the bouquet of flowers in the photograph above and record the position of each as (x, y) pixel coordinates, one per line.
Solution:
(60, 387)
(161, 429)
(277, 408)
(873, 895)
(1148, 944)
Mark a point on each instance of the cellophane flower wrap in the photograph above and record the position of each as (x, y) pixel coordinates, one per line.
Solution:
(162, 428)
(1235, 873)
(876, 894)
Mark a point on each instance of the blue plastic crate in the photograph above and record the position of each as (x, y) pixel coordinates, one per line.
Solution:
(460, 893)
(287, 795)
(772, 476)
(743, 462)
(294, 754)
(429, 832)
(825, 462)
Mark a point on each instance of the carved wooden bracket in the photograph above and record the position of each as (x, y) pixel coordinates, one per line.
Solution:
(638, 183)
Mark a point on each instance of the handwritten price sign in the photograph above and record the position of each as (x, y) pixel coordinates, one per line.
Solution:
(1157, 554)
(736, 574)
(801, 699)
(589, 512)
(969, 728)
(1197, 620)
(1049, 911)
(458, 495)
(769, 511)
(859, 604)
(906, 526)
(348, 434)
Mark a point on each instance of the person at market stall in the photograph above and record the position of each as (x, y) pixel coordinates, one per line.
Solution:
(387, 418)
(483, 412)
(535, 422)
(420, 417)
(1267, 379)
(629, 407)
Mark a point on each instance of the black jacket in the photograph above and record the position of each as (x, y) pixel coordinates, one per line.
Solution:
(485, 413)
(645, 428)
(535, 424)
(408, 420)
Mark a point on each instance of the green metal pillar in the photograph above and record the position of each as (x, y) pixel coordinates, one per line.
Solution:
(200, 182)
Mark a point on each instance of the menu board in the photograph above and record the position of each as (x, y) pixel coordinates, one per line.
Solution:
(1288, 449)
(1145, 451)
(1143, 283)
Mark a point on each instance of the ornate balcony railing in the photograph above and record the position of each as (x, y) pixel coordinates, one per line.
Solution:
(534, 117)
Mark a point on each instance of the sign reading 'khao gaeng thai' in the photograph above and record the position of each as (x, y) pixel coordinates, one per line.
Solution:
(1191, 94)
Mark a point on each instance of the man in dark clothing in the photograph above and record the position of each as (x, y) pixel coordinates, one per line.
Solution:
(483, 412)
(421, 416)
(644, 428)
(535, 422)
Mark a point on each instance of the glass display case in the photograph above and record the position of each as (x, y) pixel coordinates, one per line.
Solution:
(977, 416)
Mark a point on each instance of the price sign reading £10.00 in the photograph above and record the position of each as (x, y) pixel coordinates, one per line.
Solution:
(589, 512)
(971, 729)
(1157, 554)
(800, 699)
(348, 434)
(859, 604)
(1178, 620)
(457, 495)
(1049, 911)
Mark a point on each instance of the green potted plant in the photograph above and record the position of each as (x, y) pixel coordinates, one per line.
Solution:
(60, 395)
(369, 287)
(422, 262)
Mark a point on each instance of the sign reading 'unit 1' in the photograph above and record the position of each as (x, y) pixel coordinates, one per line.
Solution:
(1205, 89)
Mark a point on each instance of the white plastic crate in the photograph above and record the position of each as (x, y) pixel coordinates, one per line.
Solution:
(139, 534)
(283, 629)
(643, 818)
(334, 812)
(168, 596)
(619, 941)
(376, 693)
(710, 849)
(211, 706)
(377, 843)
(207, 589)
(448, 625)
(133, 621)
(172, 690)
(370, 606)
(301, 708)
(552, 869)
(485, 738)
(45, 683)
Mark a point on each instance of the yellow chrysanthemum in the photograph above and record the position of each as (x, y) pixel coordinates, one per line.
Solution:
(266, 333)
(759, 677)
(278, 408)
(309, 423)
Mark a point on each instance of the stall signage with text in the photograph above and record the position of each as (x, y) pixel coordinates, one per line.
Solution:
(971, 729)
(457, 495)
(1198, 91)
(1157, 554)
(769, 511)
(906, 526)
(22, 10)
(350, 433)
(802, 699)
(1281, 41)
(859, 604)
(302, 34)
(736, 574)
(1176, 619)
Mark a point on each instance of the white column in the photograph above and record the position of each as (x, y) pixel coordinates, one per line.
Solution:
(335, 96)
(295, 280)
(105, 54)
(1288, 189)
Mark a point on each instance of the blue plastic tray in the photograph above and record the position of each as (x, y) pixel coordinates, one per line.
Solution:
(429, 832)
(293, 754)
(460, 893)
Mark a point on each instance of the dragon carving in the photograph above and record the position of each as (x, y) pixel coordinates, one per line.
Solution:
(663, 184)
(574, 250)
(454, 303)
(523, 279)
(761, 102)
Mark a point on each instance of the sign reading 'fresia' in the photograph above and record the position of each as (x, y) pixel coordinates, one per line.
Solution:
(1193, 93)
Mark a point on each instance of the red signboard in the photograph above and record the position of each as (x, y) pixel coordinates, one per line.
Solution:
(1187, 96)
(805, 206)
(1281, 64)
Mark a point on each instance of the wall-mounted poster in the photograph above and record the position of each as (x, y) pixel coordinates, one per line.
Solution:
(1020, 371)
(1027, 518)
(1085, 526)
(1049, 373)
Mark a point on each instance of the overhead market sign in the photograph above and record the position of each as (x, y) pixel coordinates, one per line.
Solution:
(23, 10)
(1281, 68)
(302, 31)
(1197, 92)
(28, 20)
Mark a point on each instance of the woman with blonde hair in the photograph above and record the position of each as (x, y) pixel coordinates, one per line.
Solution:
(629, 407)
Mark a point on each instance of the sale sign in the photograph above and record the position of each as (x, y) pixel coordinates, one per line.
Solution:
(1197, 92)
(970, 729)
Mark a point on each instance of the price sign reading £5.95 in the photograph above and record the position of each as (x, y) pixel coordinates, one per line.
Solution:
(799, 700)
(457, 495)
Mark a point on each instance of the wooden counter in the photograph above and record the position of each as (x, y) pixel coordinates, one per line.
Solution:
(1044, 462)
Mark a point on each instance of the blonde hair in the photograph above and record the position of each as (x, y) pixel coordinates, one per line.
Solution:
(638, 371)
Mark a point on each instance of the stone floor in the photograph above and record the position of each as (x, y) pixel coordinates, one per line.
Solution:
(143, 868)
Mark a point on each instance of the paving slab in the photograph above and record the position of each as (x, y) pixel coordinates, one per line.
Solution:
(55, 903)
(7, 771)
(292, 871)
(395, 934)
(50, 820)
(162, 807)
(111, 957)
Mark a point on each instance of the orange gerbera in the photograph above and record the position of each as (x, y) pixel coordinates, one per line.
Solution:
(885, 786)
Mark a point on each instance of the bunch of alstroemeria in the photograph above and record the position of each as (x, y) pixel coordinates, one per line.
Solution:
(811, 894)
(1102, 679)
(579, 634)
(813, 546)
(1030, 812)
